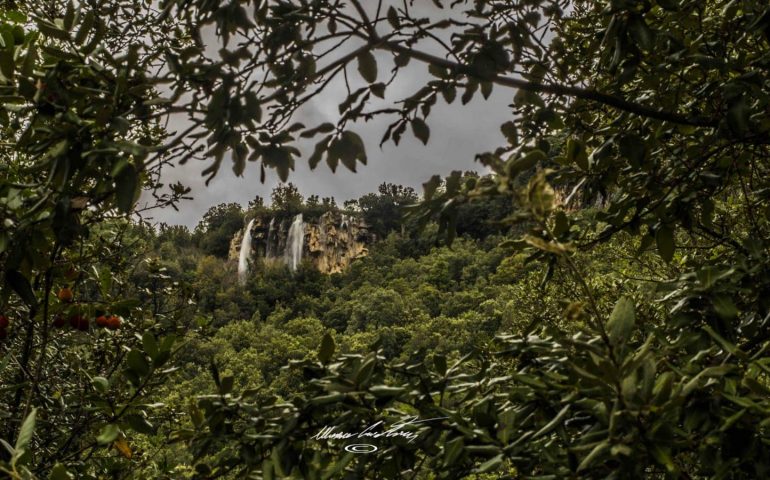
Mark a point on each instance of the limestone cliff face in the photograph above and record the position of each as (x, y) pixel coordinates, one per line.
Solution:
(235, 246)
(331, 242)
(336, 240)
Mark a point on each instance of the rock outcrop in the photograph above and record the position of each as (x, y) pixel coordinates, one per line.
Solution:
(331, 242)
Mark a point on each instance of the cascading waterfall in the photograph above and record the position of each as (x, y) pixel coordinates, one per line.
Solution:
(269, 253)
(245, 254)
(295, 242)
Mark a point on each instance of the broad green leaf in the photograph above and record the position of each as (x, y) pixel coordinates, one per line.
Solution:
(150, 344)
(108, 434)
(126, 186)
(367, 66)
(430, 186)
(439, 361)
(25, 432)
(59, 472)
(595, 454)
(22, 287)
(555, 422)
(491, 465)
(724, 307)
(326, 351)
(576, 153)
(101, 384)
(664, 239)
(226, 384)
(621, 321)
(139, 424)
(138, 363)
(514, 166)
(420, 130)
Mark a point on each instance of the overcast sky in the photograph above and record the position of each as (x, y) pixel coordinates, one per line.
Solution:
(458, 133)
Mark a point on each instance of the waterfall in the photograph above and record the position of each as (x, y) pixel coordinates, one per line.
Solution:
(344, 221)
(295, 242)
(245, 254)
(269, 242)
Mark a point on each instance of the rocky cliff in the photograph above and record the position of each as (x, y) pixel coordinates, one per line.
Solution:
(331, 242)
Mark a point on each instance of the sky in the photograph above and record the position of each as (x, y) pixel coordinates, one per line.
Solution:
(458, 133)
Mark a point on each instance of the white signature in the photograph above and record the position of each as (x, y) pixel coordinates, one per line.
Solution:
(374, 431)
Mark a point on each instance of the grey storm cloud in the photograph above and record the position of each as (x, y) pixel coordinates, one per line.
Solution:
(458, 133)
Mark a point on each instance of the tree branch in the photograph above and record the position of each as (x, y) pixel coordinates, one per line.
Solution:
(553, 89)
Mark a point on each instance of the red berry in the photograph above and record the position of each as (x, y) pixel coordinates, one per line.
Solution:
(4, 322)
(102, 321)
(114, 322)
(79, 322)
(65, 295)
(59, 321)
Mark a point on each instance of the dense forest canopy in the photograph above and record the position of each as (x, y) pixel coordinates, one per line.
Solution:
(596, 307)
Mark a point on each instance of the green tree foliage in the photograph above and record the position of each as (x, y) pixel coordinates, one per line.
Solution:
(286, 199)
(217, 228)
(383, 210)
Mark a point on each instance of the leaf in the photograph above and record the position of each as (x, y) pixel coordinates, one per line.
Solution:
(393, 17)
(51, 30)
(108, 434)
(664, 239)
(122, 446)
(318, 152)
(576, 154)
(555, 422)
(470, 89)
(449, 93)
(621, 321)
(101, 384)
(25, 432)
(325, 127)
(59, 472)
(85, 27)
(401, 60)
(641, 33)
(378, 89)
(725, 307)
(367, 66)
(150, 344)
(140, 424)
(492, 464)
(420, 130)
(663, 457)
(137, 363)
(226, 385)
(510, 132)
(545, 245)
(386, 391)
(486, 89)
(430, 187)
(126, 183)
(7, 65)
(738, 116)
(597, 451)
(452, 450)
(349, 148)
(326, 351)
(514, 166)
(279, 158)
(439, 361)
(22, 287)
